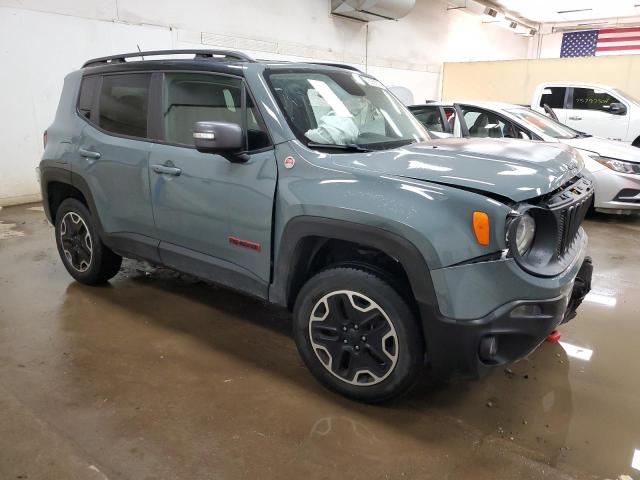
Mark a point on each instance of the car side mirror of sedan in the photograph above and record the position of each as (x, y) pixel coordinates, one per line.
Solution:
(223, 138)
(616, 108)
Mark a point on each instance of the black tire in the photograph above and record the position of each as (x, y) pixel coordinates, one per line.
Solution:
(83, 243)
(636, 143)
(386, 364)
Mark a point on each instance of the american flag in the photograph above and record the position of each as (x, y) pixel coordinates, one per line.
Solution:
(607, 41)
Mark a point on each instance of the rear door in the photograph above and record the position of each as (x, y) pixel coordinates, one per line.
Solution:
(589, 112)
(113, 153)
(213, 216)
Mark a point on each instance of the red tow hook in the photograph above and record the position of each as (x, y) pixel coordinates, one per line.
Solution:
(554, 336)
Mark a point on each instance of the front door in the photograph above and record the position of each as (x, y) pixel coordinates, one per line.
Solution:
(213, 215)
(589, 113)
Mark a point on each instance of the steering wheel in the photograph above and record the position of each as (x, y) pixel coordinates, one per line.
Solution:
(549, 111)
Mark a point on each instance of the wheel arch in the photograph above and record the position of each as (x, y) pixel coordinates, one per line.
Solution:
(304, 237)
(58, 184)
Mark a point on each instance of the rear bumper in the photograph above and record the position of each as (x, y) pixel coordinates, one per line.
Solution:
(472, 348)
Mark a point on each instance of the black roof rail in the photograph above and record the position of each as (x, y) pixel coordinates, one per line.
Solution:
(339, 65)
(211, 54)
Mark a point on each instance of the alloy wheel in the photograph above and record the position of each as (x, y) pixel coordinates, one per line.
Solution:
(76, 241)
(353, 338)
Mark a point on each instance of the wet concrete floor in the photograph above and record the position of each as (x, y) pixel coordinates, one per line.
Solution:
(157, 376)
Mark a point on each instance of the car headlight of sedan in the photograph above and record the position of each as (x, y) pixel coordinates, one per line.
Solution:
(525, 232)
(618, 165)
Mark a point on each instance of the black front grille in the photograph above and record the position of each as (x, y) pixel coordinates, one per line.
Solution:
(570, 205)
(569, 221)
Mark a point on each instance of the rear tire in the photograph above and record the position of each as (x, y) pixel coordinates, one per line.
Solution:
(357, 335)
(83, 254)
(636, 143)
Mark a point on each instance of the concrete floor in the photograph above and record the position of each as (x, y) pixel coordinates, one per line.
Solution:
(157, 376)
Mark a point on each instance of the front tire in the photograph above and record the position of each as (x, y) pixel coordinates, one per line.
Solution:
(83, 254)
(357, 335)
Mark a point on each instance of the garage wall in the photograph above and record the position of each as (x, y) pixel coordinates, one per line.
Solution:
(515, 81)
(42, 40)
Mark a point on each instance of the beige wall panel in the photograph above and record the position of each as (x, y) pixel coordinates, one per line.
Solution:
(515, 80)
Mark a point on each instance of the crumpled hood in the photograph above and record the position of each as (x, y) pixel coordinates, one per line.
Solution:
(515, 169)
(606, 148)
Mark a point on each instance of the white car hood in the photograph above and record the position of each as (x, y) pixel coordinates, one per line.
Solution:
(605, 148)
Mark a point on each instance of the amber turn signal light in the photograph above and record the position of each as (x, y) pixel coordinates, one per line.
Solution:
(481, 227)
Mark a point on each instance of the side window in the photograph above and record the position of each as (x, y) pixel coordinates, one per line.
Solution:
(553, 96)
(590, 99)
(194, 97)
(124, 101)
(483, 123)
(87, 96)
(430, 117)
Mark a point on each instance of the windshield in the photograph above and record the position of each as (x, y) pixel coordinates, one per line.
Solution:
(329, 108)
(545, 124)
(626, 95)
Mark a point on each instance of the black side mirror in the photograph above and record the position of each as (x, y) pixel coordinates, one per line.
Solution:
(223, 138)
(616, 108)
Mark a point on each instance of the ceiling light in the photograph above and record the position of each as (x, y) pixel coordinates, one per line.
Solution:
(575, 11)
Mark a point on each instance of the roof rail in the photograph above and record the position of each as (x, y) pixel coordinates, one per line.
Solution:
(339, 65)
(211, 54)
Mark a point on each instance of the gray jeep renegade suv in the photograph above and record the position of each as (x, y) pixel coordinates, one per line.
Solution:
(311, 186)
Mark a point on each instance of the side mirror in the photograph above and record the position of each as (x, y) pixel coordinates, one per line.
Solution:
(219, 137)
(616, 108)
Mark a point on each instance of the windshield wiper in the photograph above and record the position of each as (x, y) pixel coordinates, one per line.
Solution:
(349, 147)
(582, 135)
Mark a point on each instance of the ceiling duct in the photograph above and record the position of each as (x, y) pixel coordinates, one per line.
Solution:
(370, 10)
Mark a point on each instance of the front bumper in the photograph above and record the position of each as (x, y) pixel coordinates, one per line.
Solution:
(614, 192)
(510, 332)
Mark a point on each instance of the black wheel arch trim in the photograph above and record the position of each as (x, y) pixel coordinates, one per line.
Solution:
(299, 228)
(50, 174)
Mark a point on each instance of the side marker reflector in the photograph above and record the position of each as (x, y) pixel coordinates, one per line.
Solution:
(481, 227)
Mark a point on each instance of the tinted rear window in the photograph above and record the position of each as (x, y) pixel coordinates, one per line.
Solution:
(86, 98)
(124, 101)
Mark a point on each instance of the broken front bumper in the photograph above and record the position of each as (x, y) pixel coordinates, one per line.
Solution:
(472, 348)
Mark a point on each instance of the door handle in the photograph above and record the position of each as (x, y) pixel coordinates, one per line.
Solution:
(163, 169)
(88, 154)
(575, 118)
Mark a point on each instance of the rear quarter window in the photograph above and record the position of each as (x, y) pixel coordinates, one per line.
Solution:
(87, 96)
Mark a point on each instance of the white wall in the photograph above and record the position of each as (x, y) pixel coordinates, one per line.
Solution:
(42, 40)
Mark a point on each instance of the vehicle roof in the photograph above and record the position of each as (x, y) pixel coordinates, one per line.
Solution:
(573, 84)
(220, 61)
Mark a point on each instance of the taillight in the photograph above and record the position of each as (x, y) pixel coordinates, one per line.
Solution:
(44, 139)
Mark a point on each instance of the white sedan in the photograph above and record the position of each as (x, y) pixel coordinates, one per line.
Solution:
(614, 166)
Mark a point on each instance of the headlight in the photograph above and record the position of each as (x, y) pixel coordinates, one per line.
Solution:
(525, 233)
(618, 165)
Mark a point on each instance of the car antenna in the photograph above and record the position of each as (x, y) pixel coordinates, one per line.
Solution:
(142, 56)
